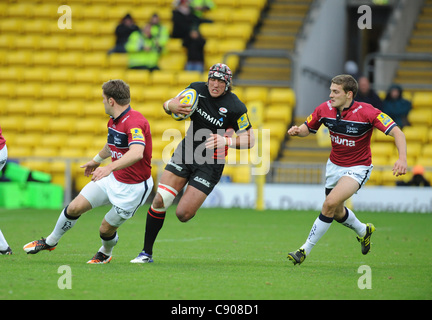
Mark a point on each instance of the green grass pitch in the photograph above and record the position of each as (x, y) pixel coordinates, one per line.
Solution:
(229, 254)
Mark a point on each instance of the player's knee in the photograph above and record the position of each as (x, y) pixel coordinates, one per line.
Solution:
(164, 197)
(184, 215)
(330, 206)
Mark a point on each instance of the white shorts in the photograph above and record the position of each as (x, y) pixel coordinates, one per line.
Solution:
(361, 174)
(3, 157)
(125, 198)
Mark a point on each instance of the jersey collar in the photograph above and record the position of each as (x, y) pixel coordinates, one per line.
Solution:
(122, 114)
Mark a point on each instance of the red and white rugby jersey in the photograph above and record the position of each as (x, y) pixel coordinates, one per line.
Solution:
(2, 140)
(350, 130)
(129, 128)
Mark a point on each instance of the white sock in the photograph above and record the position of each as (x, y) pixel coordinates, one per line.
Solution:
(319, 228)
(64, 223)
(3, 243)
(108, 244)
(350, 220)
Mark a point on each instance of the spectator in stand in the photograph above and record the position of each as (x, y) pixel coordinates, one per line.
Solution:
(366, 94)
(194, 44)
(418, 178)
(200, 7)
(159, 32)
(142, 50)
(124, 29)
(183, 19)
(397, 107)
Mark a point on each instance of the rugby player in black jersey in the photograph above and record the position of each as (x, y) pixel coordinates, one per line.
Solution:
(199, 158)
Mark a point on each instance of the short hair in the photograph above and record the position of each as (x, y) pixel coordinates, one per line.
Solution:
(347, 82)
(118, 90)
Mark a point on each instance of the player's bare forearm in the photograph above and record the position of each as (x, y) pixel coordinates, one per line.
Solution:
(244, 140)
(400, 166)
(301, 131)
(135, 153)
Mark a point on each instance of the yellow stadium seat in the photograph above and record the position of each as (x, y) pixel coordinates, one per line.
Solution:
(27, 42)
(19, 107)
(242, 31)
(256, 4)
(118, 60)
(425, 161)
(242, 174)
(40, 151)
(256, 94)
(420, 117)
(11, 123)
(29, 90)
(16, 151)
(53, 140)
(422, 100)
(172, 62)
(70, 59)
(64, 125)
(78, 92)
(78, 43)
(382, 149)
(220, 15)
(20, 58)
(20, 10)
(44, 108)
(388, 179)
(53, 91)
(275, 113)
(159, 77)
(36, 74)
(157, 94)
(28, 139)
(427, 151)
(278, 129)
(46, 58)
(249, 15)
(55, 43)
(137, 77)
(7, 89)
(213, 30)
(416, 133)
(375, 178)
(414, 149)
(282, 96)
(380, 160)
(184, 78)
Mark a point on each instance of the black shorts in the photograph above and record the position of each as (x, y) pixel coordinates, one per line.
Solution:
(204, 176)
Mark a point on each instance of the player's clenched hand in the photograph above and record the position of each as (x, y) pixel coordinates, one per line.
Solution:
(215, 141)
(175, 106)
(293, 131)
(90, 167)
(100, 173)
(400, 168)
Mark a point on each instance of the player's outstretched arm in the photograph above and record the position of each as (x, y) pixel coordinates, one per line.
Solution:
(400, 166)
(91, 166)
(301, 131)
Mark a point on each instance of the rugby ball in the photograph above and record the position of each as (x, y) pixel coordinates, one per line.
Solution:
(190, 97)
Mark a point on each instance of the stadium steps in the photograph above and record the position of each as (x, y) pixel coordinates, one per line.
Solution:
(278, 30)
(414, 75)
(304, 150)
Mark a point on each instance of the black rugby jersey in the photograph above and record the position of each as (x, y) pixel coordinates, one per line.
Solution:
(216, 115)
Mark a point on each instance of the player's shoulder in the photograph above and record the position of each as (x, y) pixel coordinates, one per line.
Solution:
(365, 108)
(200, 87)
(235, 104)
(135, 117)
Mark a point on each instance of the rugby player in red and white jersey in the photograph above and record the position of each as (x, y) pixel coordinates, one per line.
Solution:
(125, 183)
(4, 247)
(350, 124)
